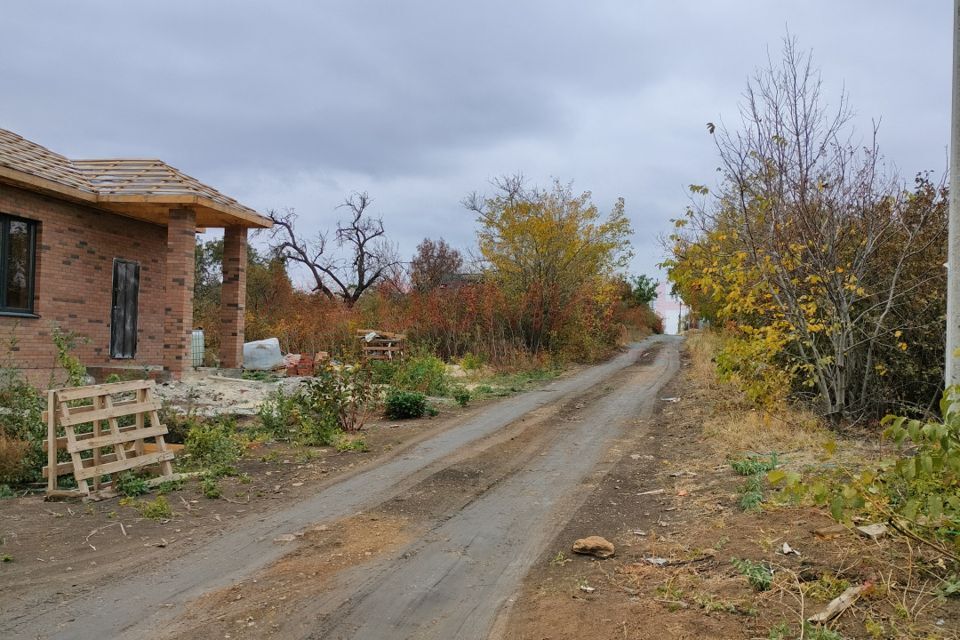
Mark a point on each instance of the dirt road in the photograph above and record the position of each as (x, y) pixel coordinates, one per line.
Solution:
(429, 544)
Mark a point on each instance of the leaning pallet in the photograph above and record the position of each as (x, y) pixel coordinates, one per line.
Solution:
(106, 429)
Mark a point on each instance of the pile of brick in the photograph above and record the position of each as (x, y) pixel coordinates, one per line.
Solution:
(303, 364)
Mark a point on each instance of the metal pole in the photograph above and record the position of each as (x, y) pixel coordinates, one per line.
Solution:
(953, 241)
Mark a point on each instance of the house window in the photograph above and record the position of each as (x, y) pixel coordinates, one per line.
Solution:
(18, 238)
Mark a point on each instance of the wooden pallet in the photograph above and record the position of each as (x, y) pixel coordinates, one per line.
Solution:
(99, 447)
(385, 346)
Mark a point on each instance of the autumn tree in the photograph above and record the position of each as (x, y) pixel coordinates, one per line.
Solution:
(433, 263)
(809, 247)
(547, 246)
(361, 256)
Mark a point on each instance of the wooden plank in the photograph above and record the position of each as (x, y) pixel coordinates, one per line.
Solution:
(75, 457)
(86, 408)
(64, 493)
(63, 469)
(116, 411)
(80, 393)
(62, 440)
(52, 437)
(166, 467)
(61, 444)
(66, 468)
(142, 396)
(120, 437)
(100, 404)
(114, 426)
(123, 465)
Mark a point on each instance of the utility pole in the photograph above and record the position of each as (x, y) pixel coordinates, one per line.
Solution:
(953, 241)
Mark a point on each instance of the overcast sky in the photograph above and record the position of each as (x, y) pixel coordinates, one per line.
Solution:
(296, 104)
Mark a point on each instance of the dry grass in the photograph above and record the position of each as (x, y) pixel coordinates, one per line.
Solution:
(739, 426)
(701, 346)
(12, 453)
(757, 430)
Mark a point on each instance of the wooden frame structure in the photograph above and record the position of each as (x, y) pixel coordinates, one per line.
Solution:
(381, 345)
(98, 445)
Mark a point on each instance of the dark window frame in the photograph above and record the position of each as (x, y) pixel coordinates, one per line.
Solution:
(32, 226)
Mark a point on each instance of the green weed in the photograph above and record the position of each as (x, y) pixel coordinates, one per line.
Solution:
(130, 484)
(346, 443)
(279, 415)
(383, 371)
(260, 376)
(755, 464)
(812, 632)
(758, 574)
(425, 373)
(343, 394)
(826, 587)
(321, 431)
(157, 509)
(214, 444)
(950, 587)
(210, 488)
(169, 486)
(471, 362)
(751, 494)
(404, 405)
(461, 395)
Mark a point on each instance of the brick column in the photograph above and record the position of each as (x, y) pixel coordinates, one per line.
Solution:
(178, 286)
(233, 297)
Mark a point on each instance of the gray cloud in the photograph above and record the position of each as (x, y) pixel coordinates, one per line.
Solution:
(295, 104)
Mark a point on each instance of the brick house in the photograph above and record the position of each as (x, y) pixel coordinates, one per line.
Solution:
(105, 249)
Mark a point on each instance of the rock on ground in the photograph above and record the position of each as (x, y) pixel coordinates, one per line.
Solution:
(594, 546)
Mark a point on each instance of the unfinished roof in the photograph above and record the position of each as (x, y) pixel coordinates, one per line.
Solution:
(144, 189)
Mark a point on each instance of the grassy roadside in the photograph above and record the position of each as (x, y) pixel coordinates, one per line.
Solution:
(708, 548)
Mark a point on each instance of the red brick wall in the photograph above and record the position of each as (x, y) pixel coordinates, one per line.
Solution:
(233, 296)
(76, 246)
(180, 272)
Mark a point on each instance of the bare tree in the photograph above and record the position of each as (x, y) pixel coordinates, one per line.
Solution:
(837, 243)
(364, 258)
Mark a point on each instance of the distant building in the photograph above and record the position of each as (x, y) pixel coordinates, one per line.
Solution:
(669, 308)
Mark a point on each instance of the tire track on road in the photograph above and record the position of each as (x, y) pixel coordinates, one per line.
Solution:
(143, 605)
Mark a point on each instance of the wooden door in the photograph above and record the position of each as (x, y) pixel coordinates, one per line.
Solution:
(123, 317)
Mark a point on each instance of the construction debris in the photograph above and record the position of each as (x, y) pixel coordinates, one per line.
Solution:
(873, 531)
(787, 550)
(838, 605)
(381, 345)
(209, 394)
(262, 355)
(832, 531)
